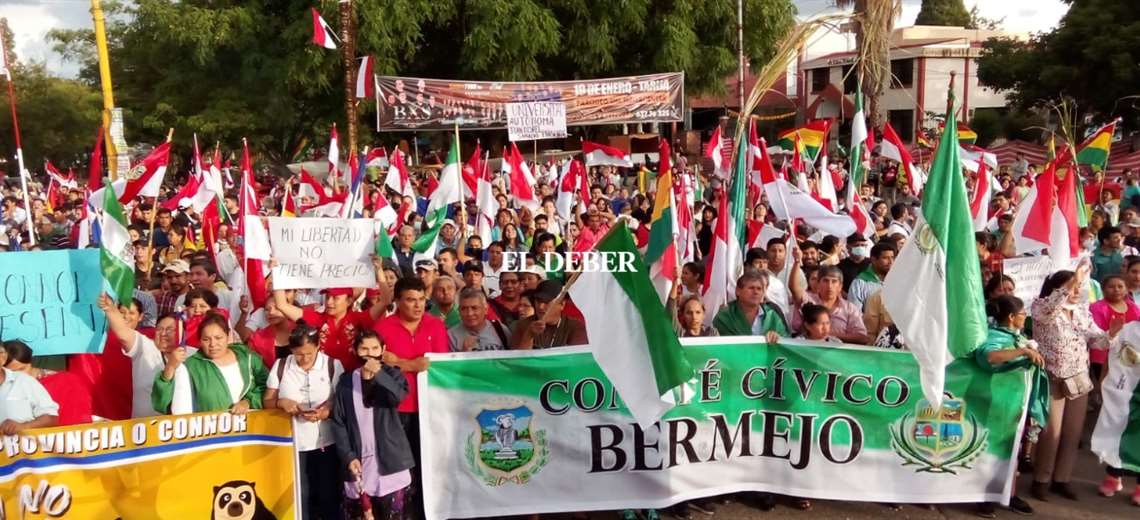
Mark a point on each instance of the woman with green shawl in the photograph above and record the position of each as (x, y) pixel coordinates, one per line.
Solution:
(1006, 349)
(219, 377)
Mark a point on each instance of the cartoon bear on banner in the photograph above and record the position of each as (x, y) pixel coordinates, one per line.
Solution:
(238, 500)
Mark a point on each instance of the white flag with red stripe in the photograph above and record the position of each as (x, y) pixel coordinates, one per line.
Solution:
(714, 150)
(892, 148)
(398, 179)
(980, 201)
(522, 181)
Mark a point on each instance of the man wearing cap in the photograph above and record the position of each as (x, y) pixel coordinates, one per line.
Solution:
(476, 332)
(449, 235)
(174, 286)
(427, 270)
(533, 276)
(548, 327)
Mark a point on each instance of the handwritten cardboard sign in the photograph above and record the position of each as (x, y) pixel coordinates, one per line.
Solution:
(48, 300)
(321, 253)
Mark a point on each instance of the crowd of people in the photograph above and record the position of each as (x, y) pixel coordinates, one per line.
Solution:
(343, 361)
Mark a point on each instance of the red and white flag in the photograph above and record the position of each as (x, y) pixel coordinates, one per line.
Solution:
(365, 83)
(601, 155)
(142, 180)
(980, 201)
(892, 148)
(255, 238)
(723, 264)
(382, 211)
(334, 159)
(322, 33)
(573, 183)
(471, 171)
(714, 150)
(376, 158)
(485, 201)
(789, 202)
(398, 179)
(1046, 218)
(522, 181)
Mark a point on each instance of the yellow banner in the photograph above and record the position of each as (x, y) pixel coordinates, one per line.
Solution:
(213, 465)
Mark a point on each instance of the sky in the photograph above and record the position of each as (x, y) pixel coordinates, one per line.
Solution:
(30, 20)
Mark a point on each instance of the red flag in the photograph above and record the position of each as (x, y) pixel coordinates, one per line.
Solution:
(187, 191)
(365, 86)
(471, 171)
(95, 167)
(322, 33)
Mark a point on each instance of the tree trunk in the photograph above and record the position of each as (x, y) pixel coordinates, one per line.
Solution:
(348, 60)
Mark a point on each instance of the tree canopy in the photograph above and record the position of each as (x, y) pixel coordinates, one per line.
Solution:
(943, 12)
(58, 117)
(1091, 56)
(230, 69)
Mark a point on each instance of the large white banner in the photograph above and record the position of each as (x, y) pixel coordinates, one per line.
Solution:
(513, 433)
(536, 120)
(321, 253)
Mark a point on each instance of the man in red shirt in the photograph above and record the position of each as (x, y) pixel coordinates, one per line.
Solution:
(408, 335)
(338, 324)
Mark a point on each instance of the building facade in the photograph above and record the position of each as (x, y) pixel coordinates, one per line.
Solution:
(922, 59)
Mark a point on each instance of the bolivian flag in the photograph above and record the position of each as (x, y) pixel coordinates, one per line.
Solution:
(1094, 151)
(966, 135)
(811, 136)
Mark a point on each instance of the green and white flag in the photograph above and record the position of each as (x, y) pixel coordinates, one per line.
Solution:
(858, 139)
(427, 244)
(117, 257)
(934, 288)
(1116, 439)
(384, 247)
(643, 358)
(450, 189)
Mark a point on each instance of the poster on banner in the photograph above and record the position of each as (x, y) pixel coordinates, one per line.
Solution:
(321, 253)
(1028, 274)
(213, 465)
(536, 120)
(48, 299)
(440, 104)
(518, 433)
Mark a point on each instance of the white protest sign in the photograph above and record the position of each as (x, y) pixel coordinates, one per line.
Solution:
(1028, 274)
(321, 253)
(536, 120)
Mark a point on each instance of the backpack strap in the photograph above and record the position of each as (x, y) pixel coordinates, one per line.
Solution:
(501, 332)
(280, 368)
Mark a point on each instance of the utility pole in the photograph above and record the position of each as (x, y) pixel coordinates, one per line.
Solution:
(348, 59)
(105, 81)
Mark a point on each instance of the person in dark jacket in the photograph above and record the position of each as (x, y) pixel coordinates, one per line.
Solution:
(377, 459)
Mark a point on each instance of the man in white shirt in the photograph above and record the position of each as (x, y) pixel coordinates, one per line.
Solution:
(492, 268)
(24, 403)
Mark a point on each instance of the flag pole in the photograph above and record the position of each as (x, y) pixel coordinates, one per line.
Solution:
(19, 147)
(154, 209)
(459, 178)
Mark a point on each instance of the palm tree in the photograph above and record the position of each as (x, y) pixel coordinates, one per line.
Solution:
(874, 20)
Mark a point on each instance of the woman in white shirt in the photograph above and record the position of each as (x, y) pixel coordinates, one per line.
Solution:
(302, 384)
(148, 357)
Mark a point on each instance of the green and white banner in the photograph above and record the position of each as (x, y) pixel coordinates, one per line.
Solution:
(507, 433)
(1116, 439)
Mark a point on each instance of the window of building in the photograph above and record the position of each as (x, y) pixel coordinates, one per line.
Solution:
(850, 79)
(903, 123)
(902, 73)
(819, 79)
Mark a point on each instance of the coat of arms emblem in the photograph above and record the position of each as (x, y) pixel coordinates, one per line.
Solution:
(506, 447)
(943, 440)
